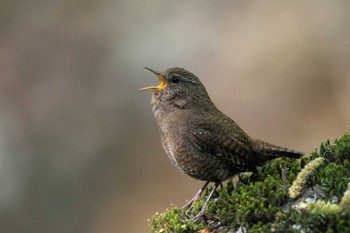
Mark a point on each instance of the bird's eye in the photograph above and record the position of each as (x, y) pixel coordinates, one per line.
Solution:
(175, 79)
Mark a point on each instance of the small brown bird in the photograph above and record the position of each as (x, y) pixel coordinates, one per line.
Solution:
(198, 138)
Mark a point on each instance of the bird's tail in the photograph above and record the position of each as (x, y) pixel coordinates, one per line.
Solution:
(269, 151)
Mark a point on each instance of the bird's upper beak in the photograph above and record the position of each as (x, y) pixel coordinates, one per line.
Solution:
(161, 85)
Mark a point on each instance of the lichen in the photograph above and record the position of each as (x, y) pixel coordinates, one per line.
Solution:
(320, 207)
(302, 177)
(260, 202)
(345, 200)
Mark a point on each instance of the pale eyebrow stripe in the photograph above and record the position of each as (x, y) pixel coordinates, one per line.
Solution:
(188, 80)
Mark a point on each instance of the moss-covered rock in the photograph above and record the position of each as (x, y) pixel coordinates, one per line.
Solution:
(284, 195)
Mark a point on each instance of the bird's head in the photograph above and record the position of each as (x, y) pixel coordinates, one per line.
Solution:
(179, 87)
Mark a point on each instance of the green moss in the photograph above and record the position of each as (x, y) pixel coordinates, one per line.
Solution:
(173, 221)
(259, 202)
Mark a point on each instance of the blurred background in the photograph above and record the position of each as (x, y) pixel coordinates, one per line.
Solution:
(79, 148)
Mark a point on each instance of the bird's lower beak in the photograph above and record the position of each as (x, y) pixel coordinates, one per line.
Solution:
(161, 85)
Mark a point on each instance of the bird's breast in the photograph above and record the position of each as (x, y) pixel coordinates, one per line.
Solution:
(173, 130)
(176, 127)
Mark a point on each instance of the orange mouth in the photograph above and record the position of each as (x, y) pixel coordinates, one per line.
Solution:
(161, 85)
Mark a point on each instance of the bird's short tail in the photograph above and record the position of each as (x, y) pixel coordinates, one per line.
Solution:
(267, 151)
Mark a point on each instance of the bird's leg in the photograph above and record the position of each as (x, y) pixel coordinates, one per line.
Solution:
(217, 193)
(197, 196)
(201, 213)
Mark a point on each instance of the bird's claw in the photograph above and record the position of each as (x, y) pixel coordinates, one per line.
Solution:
(187, 212)
(199, 217)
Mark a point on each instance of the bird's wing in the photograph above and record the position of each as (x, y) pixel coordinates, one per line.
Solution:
(218, 141)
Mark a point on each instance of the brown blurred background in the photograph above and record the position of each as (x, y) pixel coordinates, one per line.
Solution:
(79, 148)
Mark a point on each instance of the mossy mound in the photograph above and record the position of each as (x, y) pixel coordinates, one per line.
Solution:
(261, 202)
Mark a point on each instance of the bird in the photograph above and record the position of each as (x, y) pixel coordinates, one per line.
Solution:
(199, 139)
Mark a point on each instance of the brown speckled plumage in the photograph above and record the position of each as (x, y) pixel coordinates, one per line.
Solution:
(198, 138)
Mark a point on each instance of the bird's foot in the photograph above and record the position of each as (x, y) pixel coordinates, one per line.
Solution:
(187, 213)
(199, 217)
(201, 213)
(196, 197)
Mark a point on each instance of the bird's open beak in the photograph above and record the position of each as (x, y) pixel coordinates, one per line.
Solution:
(161, 85)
